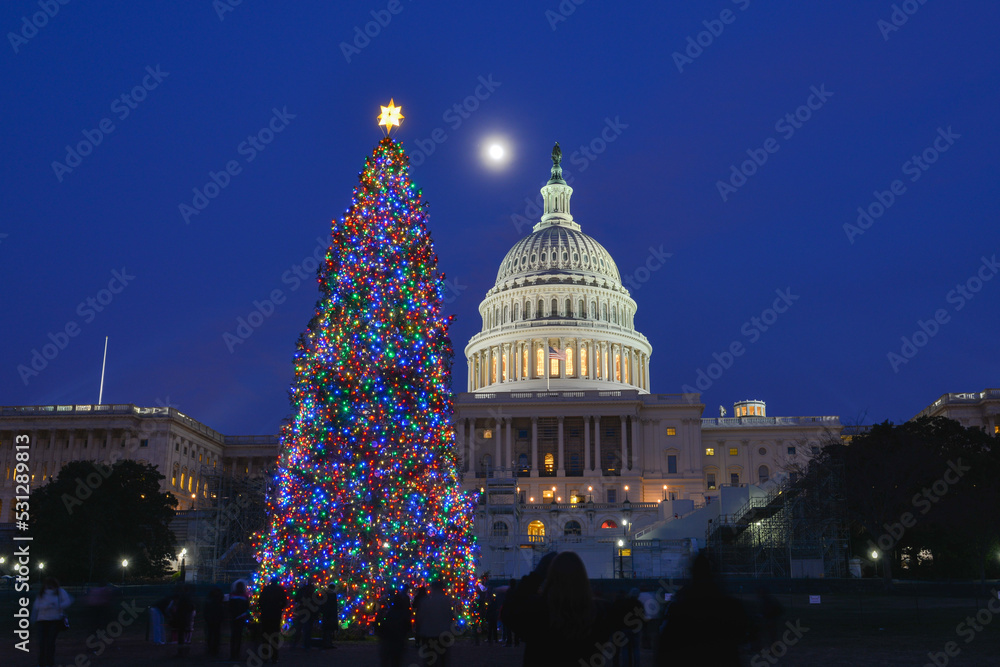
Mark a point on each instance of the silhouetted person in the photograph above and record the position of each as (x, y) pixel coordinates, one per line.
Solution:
(272, 606)
(215, 611)
(305, 612)
(393, 627)
(49, 615)
(554, 612)
(330, 609)
(239, 614)
(770, 611)
(703, 625)
(418, 600)
(510, 637)
(181, 612)
(491, 616)
(434, 618)
(633, 616)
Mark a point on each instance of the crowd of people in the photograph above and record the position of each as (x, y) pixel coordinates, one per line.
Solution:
(553, 611)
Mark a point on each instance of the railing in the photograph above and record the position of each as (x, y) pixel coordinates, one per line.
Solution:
(109, 409)
(589, 506)
(589, 394)
(767, 421)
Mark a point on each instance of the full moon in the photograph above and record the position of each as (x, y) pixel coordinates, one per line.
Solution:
(496, 152)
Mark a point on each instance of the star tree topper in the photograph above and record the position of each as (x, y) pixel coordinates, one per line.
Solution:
(390, 116)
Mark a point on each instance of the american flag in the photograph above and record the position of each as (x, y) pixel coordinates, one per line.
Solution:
(556, 354)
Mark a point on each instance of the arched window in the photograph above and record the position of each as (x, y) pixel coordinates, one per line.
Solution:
(569, 308)
(627, 358)
(503, 359)
(506, 314)
(604, 312)
(517, 311)
(524, 362)
(555, 308)
(618, 367)
(763, 474)
(500, 529)
(597, 361)
(493, 368)
(539, 362)
(583, 361)
(541, 309)
(536, 531)
(572, 528)
(581, 311)
(614, 314)
(487, 462)
(569, 362)
(527, 310)
(550, 463)
(609, 524)
(593, 310)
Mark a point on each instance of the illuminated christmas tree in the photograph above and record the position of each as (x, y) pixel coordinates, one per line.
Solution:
(368, 495)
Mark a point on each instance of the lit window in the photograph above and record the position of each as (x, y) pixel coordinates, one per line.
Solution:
(671, 430)
(536, 531)
(524, 363)
(539, 362)
(569, 362)
(597, 361)
(550, 463)
(625, 369)
(504, 368)
(487, 434)
(609, 524)
(709, 451)
(618, 367)
(583, 361)
(553, 368)
(547, 494)
(493, 369)
(734, 451)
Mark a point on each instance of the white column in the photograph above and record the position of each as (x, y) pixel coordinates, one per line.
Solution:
(624, 447)
(636, 447)
(534, 446)
(509, 461)
(561, 465)
(496, 439)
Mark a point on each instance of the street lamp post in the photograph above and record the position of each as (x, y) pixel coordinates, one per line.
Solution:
(621, 562)
(41, 566)
(124, 566)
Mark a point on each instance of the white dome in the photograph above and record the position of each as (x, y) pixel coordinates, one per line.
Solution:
(558, 316)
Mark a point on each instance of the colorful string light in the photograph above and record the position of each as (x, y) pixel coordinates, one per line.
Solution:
(368, 495)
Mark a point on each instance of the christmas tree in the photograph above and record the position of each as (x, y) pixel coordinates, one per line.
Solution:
(368, 495)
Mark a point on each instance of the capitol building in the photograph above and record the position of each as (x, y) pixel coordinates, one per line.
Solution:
(559, 433)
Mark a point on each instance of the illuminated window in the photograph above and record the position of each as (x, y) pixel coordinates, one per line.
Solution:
(504, 359)
(182, 479)
(553, 368)
(190, 479)
(628, 362)
(524, 363)
(572, 528)
(569, 362)
(550, 463)
(493, 368)
(536, 531)
(734, 451)
(597, 361)
(539, 362)
(609, 524)
(618, 367)
(487, 433)
(709, 451)
(671, 430)
(547, 494)
(583, 361)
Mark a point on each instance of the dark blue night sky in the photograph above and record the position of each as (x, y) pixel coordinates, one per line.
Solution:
(648, 136)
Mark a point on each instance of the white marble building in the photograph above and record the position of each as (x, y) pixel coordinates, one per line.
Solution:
(559, 429)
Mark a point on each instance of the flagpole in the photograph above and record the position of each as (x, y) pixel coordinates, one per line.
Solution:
(100, 395)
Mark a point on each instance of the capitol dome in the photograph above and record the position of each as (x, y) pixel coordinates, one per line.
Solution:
(558, 316)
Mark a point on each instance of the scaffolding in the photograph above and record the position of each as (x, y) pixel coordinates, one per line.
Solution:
(793, 531)
(500, 515)
(221, 533)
